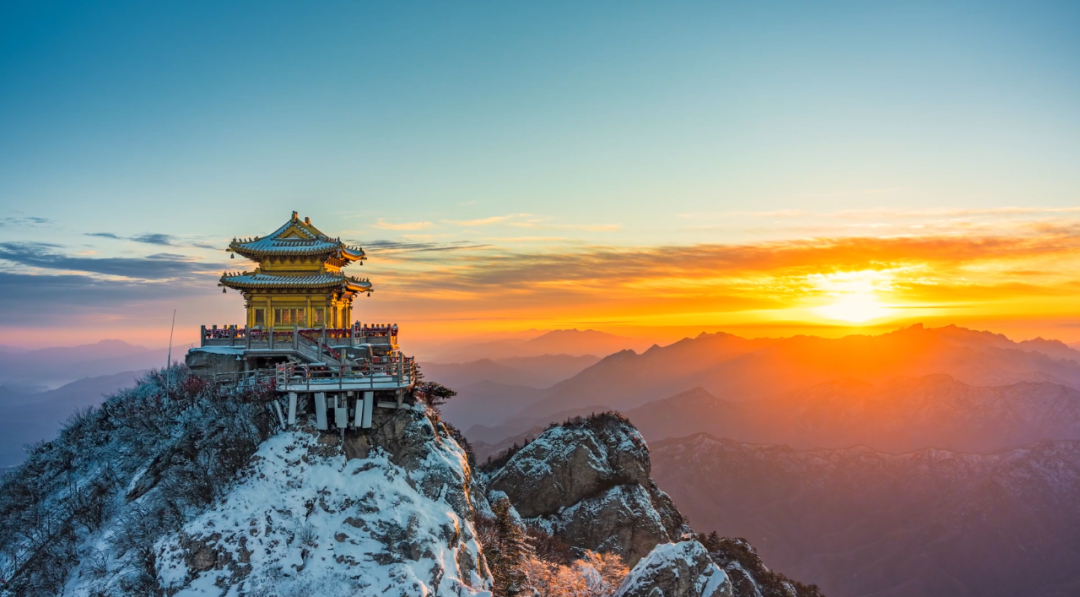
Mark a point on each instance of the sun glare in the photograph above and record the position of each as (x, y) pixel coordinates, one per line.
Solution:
(854, 296)
(855, 308)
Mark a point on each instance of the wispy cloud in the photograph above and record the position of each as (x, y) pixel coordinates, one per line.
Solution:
(487, 221)
(540, 225)
(26, 221)
(49, 256)
(150, 238)
(153, 239)
(384, 225)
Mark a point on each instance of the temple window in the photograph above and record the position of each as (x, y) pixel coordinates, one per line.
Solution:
(289, 316)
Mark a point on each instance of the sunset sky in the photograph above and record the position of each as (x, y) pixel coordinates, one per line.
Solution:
(647, 169)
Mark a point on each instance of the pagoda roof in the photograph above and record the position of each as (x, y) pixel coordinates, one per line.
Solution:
(248, 280)
(296, 238)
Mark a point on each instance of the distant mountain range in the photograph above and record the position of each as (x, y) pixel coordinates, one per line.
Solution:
(80, 375)
(56, 366)
(29, 418)
(557, 342)
(737, 369)
(534, 372)
(925, 462)
(862, 523)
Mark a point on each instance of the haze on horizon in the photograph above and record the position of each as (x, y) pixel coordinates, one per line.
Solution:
(645, 170)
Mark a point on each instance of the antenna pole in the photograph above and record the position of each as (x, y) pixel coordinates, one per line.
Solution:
(168, 359)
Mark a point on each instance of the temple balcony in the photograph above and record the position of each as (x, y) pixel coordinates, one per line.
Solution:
(383, 336)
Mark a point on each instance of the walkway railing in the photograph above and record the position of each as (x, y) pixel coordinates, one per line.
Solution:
(333, 338)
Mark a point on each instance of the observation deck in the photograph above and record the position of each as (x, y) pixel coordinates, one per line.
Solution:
(340, 373)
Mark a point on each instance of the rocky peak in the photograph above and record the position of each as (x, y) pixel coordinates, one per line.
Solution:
(587, 482)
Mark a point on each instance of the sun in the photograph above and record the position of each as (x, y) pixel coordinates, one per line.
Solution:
(853, 296)
(855, 308)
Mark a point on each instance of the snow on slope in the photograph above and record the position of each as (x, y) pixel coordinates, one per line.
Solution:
(682, 569)
(358, 526)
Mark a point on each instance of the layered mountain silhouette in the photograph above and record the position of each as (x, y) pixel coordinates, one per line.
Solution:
(737, 369)
(59, 365)
(900, 415)
(858, 522)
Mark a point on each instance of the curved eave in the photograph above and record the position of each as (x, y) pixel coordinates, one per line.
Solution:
(349, 284)
(346, 254)
(358, 286)
(353, 254)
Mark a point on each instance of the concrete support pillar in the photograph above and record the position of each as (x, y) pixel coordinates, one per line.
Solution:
(369, 406)
(320, 411)
(277, 409)
(341, 412)
(292, 409)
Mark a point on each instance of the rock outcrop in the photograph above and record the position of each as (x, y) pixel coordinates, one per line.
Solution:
(210, 361)
(587, 482)
(681, 569)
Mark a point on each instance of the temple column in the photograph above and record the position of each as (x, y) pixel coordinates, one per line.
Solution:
(310, 317)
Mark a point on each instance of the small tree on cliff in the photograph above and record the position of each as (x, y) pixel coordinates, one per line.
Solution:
(509, 551)
(432, 392)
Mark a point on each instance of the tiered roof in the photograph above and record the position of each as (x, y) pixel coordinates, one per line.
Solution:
(244, 280)
(296, 238)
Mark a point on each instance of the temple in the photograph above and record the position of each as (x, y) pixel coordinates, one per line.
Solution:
(300, 336)
(299, 279)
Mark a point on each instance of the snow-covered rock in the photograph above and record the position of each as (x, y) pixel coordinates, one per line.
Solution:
(304, 519)
(681, 569)
(587, 482)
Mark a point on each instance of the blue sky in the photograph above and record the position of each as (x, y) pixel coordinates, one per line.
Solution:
(532, 127)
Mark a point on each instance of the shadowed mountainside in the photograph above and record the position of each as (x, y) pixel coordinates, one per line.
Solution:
(29, 418)
(900, 415)
(859, 522)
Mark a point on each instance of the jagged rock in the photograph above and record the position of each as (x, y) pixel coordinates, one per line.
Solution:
(676, 570)
(587, 482)
(570, 462)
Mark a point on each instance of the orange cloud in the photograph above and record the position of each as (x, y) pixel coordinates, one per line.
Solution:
(1032, 272)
